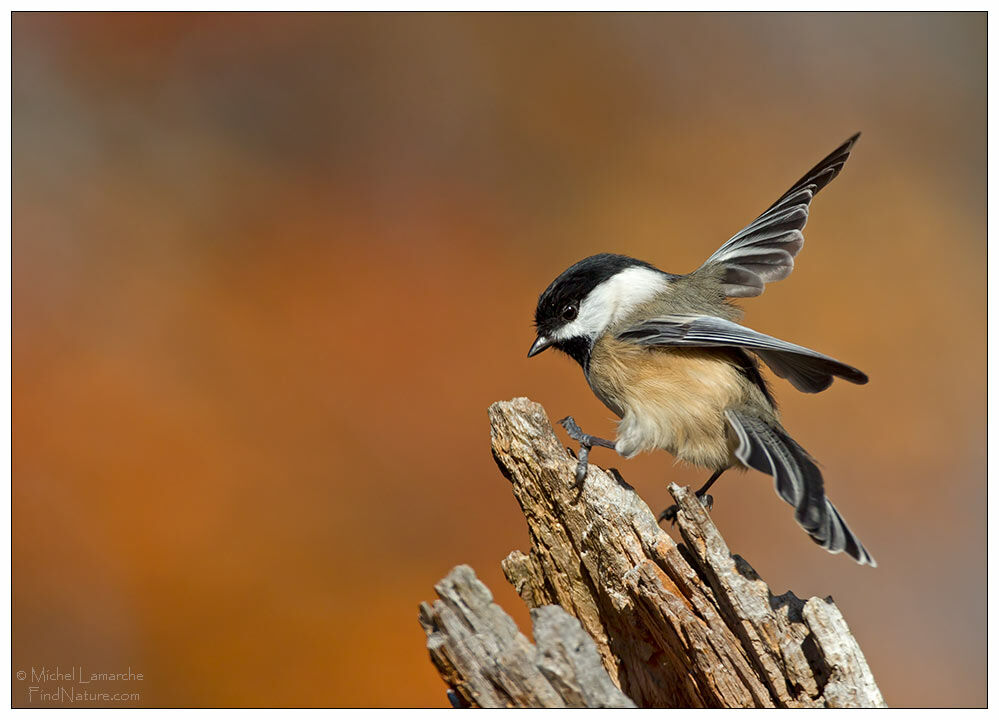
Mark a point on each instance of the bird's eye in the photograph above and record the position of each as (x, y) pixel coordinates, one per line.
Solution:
(569, 312)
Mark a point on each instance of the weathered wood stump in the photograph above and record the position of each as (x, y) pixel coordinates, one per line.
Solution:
(688, 625)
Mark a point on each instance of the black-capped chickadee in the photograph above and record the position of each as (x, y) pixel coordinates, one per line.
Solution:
(665, 354)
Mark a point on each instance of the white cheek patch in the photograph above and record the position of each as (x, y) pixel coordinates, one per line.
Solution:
(611, 300)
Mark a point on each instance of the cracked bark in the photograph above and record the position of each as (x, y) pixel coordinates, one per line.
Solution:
(688, 625)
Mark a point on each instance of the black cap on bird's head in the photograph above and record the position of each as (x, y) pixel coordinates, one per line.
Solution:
(557, 316)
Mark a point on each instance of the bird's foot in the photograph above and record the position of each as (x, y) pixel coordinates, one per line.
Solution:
(573, 431)
(670, 513)
(582, 466)
(586, 442)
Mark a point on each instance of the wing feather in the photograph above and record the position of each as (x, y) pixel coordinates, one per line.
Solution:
(764, 250)
(809, 371)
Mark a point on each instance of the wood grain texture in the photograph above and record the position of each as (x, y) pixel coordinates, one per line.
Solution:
(479, 652)
(688, 625)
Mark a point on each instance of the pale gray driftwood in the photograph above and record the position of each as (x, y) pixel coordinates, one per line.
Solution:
(674, 626)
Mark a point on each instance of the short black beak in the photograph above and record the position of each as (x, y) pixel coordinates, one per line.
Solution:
(541, 344)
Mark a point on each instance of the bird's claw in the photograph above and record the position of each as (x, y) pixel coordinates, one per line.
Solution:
(582, 465)
(707, 501)
(582, 461)
(573, 430)
(669, 514)
(584, 439)
(586, 443)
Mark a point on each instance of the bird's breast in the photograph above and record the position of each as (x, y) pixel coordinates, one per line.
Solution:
(667, 398)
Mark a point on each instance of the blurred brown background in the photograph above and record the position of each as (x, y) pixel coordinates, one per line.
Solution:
(270, 270)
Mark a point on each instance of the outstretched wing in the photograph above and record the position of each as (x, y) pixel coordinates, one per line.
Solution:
(807, 370)
(764, 250)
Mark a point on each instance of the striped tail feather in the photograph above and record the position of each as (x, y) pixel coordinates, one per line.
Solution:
(765, 446)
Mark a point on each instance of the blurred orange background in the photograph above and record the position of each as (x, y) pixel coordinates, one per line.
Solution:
(270, 270)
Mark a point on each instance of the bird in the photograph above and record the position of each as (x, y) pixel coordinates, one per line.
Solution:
(666, 353)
